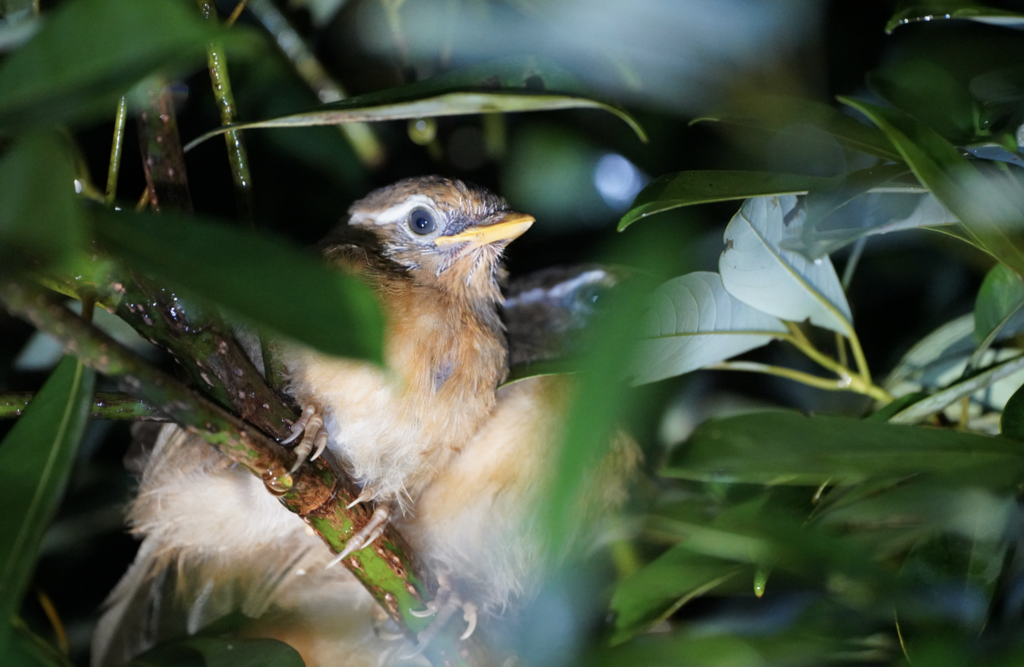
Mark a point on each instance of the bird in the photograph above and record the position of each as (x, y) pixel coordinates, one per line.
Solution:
(456, 460)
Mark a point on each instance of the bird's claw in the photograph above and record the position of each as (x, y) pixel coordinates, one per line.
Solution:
(444, 606)
(430, 610)
(314, 436)
(373, 529)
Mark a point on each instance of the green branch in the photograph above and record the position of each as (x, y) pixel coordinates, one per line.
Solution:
(106, 405)
(317, 492)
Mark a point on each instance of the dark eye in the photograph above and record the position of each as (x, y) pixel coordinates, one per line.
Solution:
(421, 221)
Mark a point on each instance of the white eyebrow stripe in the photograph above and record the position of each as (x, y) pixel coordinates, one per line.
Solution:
(396, 213)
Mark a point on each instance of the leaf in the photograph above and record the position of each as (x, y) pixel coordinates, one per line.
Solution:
(1011, 422)
(991, 207)
(663, 586)
(931, 95)
(790, 448)
(886, 213)
(934, 356)
(1004, 85)
(35, 459)
(260, 278)
(999, 300)
(513, 85)
(955, 10)
(220, 652)
(758, 272)
(28, 649)
(90, 52)
(958, 390)
(41, 224)
(693, 322)
(774, 113)
(686, 188)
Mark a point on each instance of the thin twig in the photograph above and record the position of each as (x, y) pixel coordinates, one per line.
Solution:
(116, 148)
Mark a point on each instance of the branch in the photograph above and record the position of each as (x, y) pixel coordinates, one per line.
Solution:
(105, 405)
(317, 493)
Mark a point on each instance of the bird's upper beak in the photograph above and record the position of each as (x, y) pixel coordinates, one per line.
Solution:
(504, 228)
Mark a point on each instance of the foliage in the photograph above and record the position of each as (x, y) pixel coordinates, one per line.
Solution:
(884, 526)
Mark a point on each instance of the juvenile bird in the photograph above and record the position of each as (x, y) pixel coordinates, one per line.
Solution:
(455, 461)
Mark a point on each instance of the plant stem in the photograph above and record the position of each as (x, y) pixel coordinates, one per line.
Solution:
(235, 13)
(237, 154)
(847, 378)
(106, 405)
(116, 148)
(362, 139)
(839, 384)
(162, 156)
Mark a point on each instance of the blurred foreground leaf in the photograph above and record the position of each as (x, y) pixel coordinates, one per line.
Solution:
(218, 652)
(257, 277)
(40, 221)
(505, 86)
(663, 586)
(931, 95)
(35, 459)
(790, 448)
(90, 52)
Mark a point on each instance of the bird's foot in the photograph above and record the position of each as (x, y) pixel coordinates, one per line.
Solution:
(443, 607)
(314, 436)
(373, 529)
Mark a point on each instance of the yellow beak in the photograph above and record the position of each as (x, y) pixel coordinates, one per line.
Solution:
(508, 227)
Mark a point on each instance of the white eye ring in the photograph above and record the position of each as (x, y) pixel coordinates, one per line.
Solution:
(421, 221)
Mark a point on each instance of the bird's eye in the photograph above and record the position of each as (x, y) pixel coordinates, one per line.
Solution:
(421, 221)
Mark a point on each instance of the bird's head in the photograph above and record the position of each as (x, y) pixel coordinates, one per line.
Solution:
(445, 233)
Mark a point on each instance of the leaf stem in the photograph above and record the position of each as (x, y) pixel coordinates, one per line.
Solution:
(116, 148)
(849, 380)
(838, 384)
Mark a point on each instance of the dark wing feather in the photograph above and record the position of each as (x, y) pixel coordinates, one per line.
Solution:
(545, 312)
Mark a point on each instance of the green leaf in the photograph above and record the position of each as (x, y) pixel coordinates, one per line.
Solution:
(260, 278)
(220, 652)
(931, 95)
(934, 356)
(694, 322)
(28, 649)
(90, 52)
(967, 387)
(954, 10)
(759, 272)
(774, 113)
(35, 459)
(663, 586)
(687, 188)
(991, 206)
(1000, 86)
(513, 85)
(41, 224)
(787, 447)
(1000, 297)
(1011, 422)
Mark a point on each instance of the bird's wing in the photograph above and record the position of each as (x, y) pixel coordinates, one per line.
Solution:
(545, 312)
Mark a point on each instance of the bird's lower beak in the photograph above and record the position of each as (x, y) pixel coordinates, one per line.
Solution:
(506, 228)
